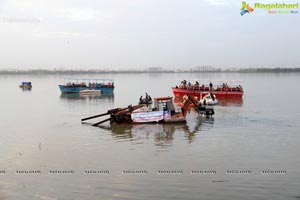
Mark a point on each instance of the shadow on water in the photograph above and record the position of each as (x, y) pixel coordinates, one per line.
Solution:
(109, 97)
(163, 134)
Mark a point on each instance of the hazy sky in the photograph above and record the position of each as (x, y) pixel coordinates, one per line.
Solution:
(144, 33)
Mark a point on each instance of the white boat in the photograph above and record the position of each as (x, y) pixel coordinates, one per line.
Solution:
(90, 92)
(209, 99)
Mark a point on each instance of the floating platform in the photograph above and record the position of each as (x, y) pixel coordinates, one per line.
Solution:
(162, 112)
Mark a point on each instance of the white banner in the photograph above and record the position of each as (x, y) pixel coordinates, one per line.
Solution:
(141, 117)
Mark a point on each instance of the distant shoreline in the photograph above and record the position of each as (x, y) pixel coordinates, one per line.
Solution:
(96, 71)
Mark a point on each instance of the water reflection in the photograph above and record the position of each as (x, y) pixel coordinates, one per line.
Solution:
(200, 123)
(26, 89)
(165, 137)
(162, 134)
(234, 102)
(109, 97)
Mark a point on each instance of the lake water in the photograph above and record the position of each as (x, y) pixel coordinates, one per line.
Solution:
(248, 150)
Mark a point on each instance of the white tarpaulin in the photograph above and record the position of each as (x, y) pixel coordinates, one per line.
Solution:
(141, 117)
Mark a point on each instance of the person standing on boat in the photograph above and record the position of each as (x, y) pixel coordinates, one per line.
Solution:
(141, 99)
(210, 85)
(240, 88)
(212, 96)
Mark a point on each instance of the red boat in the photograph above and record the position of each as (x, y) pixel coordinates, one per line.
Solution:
(224, 90)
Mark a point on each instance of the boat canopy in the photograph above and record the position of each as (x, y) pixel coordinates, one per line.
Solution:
(26, 83)
(211, 80)
(164, 103)
(219, 83)
(88, 80)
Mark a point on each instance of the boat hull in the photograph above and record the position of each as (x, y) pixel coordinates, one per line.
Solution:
(70, 89)
(107, 89)
(219, 94)
(25, 87)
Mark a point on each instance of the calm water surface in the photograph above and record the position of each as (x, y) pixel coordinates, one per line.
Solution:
(41, 130)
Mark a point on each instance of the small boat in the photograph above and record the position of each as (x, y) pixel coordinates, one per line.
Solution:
(72, 85)
(162, 112)
(26, 85)
(226, 89)
(209, 99)
(90, 92)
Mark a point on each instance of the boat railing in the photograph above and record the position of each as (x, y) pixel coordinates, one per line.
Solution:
(204, 85)
(88, 82)
(237, 88)
(26, 83)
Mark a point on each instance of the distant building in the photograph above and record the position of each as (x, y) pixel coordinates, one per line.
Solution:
(155, 69)
(207, 68)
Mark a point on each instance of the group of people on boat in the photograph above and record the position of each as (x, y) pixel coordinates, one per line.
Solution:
(70, 84)
(100, 85)
(109, 85)
(90, 85)
(210, 87)
(146, 100)
(225, 87)
(188, 85)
